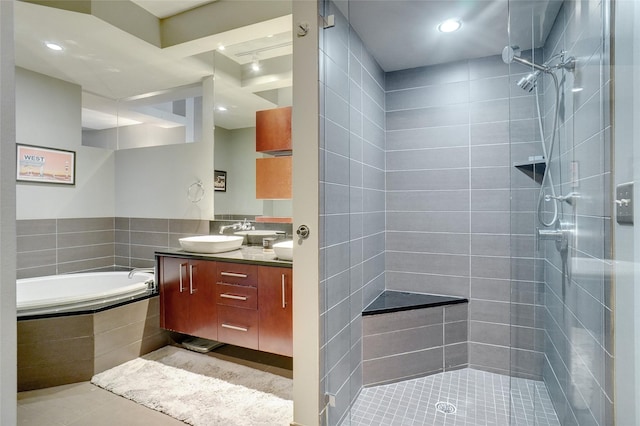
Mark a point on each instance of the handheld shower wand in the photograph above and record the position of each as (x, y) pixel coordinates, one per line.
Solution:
(528, 83)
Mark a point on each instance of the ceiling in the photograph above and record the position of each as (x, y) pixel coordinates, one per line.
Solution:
(403, 34)
(112, 64)
(115, 67)
(165, 8)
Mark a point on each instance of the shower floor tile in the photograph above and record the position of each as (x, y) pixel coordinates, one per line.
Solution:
(480, 398)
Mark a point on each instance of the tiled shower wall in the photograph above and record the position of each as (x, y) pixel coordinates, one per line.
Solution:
(578, 366)
(448, 201)
(351, 205)
(60, 246)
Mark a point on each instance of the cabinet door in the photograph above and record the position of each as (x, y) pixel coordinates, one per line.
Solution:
(273, 130)
(273, 178)
(275, 291)
(202, 291)
(174, 294)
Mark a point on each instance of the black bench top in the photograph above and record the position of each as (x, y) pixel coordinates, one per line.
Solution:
(396, 301)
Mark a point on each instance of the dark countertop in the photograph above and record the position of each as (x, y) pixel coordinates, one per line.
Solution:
(396, 301)
(245, 254)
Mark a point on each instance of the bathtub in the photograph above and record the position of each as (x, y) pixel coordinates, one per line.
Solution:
(71, 327)
(79, 292)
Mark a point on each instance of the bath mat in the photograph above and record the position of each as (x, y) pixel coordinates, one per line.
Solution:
(201, 390)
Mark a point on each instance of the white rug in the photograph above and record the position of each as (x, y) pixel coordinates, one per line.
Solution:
(201, 390)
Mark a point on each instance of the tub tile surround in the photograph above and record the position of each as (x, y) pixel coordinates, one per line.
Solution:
(71, 349)
(60, 246)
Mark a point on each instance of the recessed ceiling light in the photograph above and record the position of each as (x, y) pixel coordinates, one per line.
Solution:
(449, 26)
(53, 46)
(221, 108)
(221, 47)
(255, 64)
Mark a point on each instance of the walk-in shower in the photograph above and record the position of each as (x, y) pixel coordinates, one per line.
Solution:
(432, 185)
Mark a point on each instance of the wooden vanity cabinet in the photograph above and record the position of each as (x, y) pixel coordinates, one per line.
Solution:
(187, 296)
(275, 295)
(236, 303)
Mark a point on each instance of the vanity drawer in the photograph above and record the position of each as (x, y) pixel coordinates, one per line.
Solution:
(240, 296)
(238, 326)
(237, 273)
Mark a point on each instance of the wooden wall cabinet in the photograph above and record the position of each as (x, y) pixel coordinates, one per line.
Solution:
(273, 130)
(273, 178)
(187, 292)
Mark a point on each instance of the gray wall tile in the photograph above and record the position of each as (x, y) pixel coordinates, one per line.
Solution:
(408, 340)
(403, 366)
(376, 324)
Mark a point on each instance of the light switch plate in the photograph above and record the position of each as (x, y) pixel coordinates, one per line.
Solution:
(624, 203)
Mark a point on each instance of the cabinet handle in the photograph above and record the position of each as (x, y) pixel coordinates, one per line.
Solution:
(180, 273)
(234, 327)
(232, 296)
(191, 290)
(284, 299)
(233, 274)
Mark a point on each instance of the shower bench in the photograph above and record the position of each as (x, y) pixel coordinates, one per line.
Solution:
(408, 335)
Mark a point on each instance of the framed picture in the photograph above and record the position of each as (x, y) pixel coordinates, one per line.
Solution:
(45, 165)
(219, 180)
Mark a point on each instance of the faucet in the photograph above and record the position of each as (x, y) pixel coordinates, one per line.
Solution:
(242, 226)
(151, 282)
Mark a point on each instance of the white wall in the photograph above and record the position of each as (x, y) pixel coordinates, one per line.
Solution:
(153, 182)
(627, 238)
(235, 153)
(146, 182)
(305, 133)
(48, 113)
(7, 220)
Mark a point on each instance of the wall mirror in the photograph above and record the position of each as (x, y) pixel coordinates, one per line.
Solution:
(161, 74)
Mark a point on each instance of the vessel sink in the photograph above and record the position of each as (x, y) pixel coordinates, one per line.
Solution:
(284, 250)
(211, 243)
(256, 236)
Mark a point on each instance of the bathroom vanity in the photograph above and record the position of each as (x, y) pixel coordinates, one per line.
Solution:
(243, 297)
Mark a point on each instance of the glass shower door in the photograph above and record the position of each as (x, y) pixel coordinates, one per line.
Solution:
(561, 233)
(339, 227)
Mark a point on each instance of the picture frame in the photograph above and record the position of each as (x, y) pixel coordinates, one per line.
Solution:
(38, 164)
(220, 180)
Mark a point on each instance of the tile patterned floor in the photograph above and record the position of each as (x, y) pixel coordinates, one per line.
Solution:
(480, 398)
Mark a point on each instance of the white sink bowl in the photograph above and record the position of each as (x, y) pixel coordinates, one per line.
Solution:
(211, 243)
(256, 236)
(284, 250)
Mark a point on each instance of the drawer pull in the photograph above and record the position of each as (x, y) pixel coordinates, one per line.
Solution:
(234, 327)
(233, 296)
(233, 274)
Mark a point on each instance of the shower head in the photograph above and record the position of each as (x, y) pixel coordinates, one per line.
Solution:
(509, 53)
(529, 82)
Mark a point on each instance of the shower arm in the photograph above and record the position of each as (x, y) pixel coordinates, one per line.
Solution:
(523, 61)
(568, 64)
